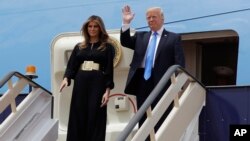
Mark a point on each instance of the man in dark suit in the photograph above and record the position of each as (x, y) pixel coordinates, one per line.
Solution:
(168, 51)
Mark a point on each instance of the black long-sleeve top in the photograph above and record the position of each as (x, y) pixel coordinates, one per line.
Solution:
(103, 57)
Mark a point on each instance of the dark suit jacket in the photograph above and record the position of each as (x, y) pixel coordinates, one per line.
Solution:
(169, 52)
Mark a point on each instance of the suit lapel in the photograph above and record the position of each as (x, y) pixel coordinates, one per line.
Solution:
(161, 44)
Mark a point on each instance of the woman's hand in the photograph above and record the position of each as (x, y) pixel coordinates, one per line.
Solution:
(105, 97)
(63, 84)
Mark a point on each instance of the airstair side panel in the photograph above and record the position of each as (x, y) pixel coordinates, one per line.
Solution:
(225, 106)
(32, 121)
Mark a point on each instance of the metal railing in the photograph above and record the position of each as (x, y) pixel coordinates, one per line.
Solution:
(31, 119)
(14, 89)
(182, 90)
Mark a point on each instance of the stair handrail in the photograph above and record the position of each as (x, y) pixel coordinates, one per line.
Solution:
(6, 96)
(152, 96)
(32, 83)
(32, 116)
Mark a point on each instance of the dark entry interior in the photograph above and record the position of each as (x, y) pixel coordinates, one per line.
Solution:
(212, 56)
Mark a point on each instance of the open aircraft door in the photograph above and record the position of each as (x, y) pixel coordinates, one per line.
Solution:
(121, 107)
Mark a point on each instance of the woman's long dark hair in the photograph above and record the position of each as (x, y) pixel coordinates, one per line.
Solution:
(103, 35)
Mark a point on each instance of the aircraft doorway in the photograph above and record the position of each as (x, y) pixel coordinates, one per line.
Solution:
(212, 56)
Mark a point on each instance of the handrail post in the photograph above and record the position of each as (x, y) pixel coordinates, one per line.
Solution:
(13, 102)
(152, 133)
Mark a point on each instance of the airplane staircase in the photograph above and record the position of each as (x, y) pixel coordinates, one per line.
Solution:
(30, 120)
(182, 122)
(199, 114)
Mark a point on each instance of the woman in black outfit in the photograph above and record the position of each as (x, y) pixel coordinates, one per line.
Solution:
(91, 67)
